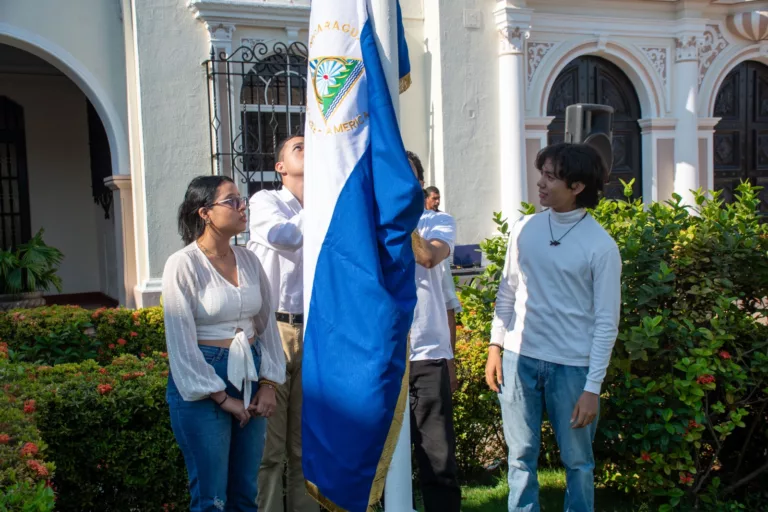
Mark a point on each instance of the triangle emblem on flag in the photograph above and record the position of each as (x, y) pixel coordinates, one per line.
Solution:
(332, 80)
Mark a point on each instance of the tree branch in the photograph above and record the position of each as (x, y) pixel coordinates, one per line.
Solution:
(743, 452)
(747, 478)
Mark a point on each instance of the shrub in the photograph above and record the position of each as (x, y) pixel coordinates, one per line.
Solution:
(65, 334)
(476, 415)
(684, 406)
(104, 431)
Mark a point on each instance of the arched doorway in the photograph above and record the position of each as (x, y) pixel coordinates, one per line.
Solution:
(741, 137)
(54, 156)
(592, 79)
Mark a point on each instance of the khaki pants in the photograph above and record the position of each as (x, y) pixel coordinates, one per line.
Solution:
(284, 436)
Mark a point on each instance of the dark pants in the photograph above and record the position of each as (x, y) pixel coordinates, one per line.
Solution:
(432, 435)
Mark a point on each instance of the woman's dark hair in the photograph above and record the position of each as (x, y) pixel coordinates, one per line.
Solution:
(201, 192)
(577, 163)
(413, 157)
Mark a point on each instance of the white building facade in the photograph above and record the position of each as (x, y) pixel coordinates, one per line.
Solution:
(109, 107)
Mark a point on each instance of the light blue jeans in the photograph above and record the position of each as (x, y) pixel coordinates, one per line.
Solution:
(530, 386)
(222, 458)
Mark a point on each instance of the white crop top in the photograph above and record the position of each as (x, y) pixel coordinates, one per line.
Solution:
(199, 304)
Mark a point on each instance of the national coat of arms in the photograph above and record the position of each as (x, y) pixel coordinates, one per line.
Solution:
(333, 79)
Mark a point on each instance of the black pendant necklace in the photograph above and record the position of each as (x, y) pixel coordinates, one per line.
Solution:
(552, 240)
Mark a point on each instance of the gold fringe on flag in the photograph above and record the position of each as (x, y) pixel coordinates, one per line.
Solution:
(405, 83)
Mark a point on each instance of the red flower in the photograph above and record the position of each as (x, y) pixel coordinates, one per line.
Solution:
(164, 373)
(134, 334)
(38, 467)
(3, 347)
(103, 371)
(645, 457)
(5, 439)
(29, 449)
(164, 354)
(706, 379)
(141, 355)
(111, 346)
(686, 478)
(725, 355)
(121, 341)
(151, 366)
(103, 388)
(693, 424)
(29, 406)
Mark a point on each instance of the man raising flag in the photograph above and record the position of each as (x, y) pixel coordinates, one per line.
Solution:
(362, 203)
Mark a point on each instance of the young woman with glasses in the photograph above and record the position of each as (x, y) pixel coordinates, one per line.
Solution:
(224, 350)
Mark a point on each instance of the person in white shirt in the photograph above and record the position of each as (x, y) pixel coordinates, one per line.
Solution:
(224, 350)
(556, 321)
(432, 198)
(431, 363)
(277, 238)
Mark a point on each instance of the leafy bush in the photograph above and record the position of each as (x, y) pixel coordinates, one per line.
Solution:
(105, 431)
(684, 406)
(65, 334)
(30, 267)
(476, 416)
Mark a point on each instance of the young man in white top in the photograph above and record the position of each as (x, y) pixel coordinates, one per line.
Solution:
(431, 367)
(276, 236)
(556, 321)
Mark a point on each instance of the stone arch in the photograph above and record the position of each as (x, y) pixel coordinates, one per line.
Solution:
(84, 79)
(726, 63)
(647, 84)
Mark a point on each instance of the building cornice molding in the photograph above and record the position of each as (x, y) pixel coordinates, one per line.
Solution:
(252, 13)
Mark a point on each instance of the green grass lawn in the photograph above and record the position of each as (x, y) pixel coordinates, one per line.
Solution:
(552, 484)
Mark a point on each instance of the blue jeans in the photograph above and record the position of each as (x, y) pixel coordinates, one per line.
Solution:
(222, 459)
(530, 386)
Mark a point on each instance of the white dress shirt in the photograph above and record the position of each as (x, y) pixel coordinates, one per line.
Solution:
(199, 304)
(277, 237)
(430, 337)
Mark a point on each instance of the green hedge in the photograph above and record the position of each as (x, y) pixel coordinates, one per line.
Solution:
(685, 406)
(99, 436)
(70, 334)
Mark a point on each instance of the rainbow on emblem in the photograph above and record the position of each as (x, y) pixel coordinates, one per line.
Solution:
(332, 79)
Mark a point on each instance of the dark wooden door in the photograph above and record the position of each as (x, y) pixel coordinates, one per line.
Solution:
(594, 80)
(14, 188)
(741, 136)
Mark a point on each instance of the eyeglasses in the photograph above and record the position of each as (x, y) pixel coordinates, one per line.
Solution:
(233, 202)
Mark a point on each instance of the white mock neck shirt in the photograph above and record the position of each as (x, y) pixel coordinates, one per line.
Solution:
(560, 303)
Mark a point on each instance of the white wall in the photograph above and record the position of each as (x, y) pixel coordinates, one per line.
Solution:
(58, 166)
(170, 47)
(463, 108)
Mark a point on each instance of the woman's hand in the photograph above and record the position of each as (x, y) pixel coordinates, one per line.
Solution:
(264, 402)
(233, 406)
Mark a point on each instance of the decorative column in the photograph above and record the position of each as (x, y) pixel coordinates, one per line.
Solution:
(125, 247)
(658, 135)
(685, 98)
(536, 139)
(222, 126)
(513, 24)
(707, 136)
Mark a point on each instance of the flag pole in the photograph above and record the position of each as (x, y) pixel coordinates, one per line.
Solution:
(398, 494)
